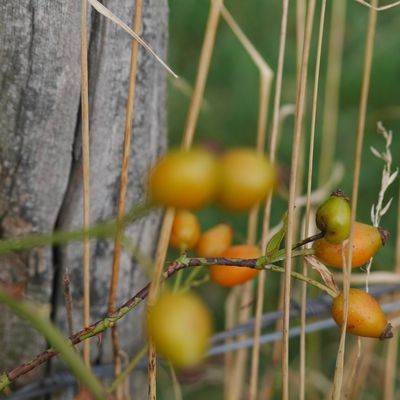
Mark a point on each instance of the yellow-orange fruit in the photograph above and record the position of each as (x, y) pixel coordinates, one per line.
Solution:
(230, 275)
(246, 178)
(185, 231)
(367, 241)
(215, 241)
(365, 316)
(184, 179)
(180, 325)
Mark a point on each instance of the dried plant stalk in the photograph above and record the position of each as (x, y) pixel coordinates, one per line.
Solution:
(161, 252)
(123, 186)
(202, 73)
(382, 8)
(230, 321)
(86, 175)
(359, 367)
(338, 378)
(247, 294)
(187, 139)
(300, 105)
(175, 383)
(267, 208)
(301, 10)
(247, 45)
(238, 375)
(392, 349)
(108, 14)
(332, 88)
(308, 204)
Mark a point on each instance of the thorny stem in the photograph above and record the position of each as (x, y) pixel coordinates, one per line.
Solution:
(97, 328)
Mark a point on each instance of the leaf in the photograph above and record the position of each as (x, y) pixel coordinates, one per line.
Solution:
(393, 177)
(375, 152)
(276, 240)
(384, 210)
(326, 275)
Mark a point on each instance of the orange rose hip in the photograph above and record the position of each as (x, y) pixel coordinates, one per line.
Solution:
(365, 316)
(367, 241)
(230, 275)
(215, 241)
(185, 231)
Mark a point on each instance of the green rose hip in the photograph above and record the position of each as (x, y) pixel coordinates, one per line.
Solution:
(333, 218)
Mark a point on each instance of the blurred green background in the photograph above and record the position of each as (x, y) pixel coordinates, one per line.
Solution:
(229, 113)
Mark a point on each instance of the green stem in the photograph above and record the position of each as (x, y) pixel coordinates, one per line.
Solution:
(196, 283)
(103, 229)
(301, 277)
(191, 277)
(58, 342)
(178, 281)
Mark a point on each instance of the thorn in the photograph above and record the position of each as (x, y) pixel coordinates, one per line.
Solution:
(99, 338)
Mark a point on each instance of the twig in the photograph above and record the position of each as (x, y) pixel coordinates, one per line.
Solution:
(86, 175)
(124, 180)
(97, 328)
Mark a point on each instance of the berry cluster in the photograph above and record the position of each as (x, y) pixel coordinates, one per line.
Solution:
(180, 323)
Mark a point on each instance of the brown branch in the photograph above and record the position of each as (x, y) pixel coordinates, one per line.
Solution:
(97, 328)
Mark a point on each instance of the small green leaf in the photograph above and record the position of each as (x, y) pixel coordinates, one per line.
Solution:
(276, 240)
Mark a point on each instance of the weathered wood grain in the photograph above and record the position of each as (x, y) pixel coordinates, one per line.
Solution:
(40, 152)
